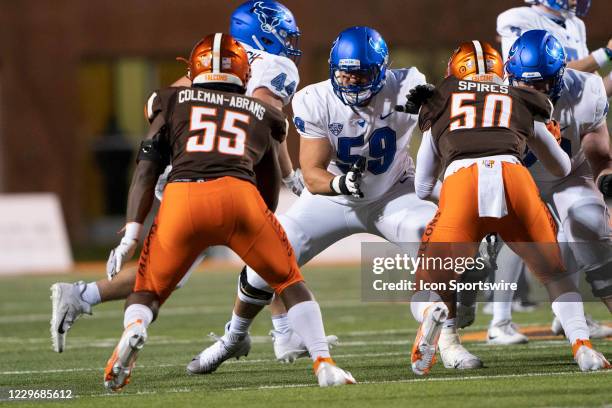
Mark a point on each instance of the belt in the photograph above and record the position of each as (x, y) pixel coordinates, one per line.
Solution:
(192, 180)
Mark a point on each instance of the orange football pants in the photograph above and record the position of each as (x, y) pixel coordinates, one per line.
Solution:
(457, 230)
(225, 211)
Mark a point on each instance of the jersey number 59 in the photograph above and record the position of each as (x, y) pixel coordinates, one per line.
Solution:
(210, 139)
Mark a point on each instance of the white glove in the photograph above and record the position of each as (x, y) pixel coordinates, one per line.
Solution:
(295, 182)
(161, 182)
(349, 184)
(124, 251)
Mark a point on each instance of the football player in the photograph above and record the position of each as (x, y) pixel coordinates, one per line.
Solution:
(475, 132)
(561, 19)
(269, 33)
(358, 172)
(213, 135)
(580, 108)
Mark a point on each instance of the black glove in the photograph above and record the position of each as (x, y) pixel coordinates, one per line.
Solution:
(348, 184)
(415, 98)
(604, 183)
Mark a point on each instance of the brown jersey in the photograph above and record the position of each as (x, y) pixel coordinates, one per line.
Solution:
(475, 119)
(213, 134)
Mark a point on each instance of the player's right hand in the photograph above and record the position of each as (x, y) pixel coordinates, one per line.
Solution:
(349, 184)
(124, 251)
(415, 98)
(554, 128)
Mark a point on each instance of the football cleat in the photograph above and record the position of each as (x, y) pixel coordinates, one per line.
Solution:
(505, 333)
(119, 366)
(587, 358)
(288, 346)
(225, 347)
(465, 315)
(453, 354)
(426, 341)
(66, 307)
(329, 375)
(596, 329)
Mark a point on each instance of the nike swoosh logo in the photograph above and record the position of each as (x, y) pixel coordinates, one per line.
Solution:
(383, 117)
(402, 181)
(563, 128)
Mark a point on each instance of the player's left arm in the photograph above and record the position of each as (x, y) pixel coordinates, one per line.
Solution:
(428, 167)
(596, 147)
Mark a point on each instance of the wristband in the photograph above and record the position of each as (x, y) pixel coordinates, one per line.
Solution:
(337, 185)
(601, 56)
(132, 230)
(289, 177)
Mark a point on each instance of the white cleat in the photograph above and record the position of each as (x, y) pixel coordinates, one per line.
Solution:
(453, 354)
(426, 341)
(121, 363)
(329, 375)
(66, 307)
(505, 333)
(225, 347)
(587, 358)
(596, 329)
(288, 346)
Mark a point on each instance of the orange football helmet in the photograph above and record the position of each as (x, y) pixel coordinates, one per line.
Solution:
(476, 61)
(219, 58)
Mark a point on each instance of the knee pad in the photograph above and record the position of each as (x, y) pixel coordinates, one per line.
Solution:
(253, 289)
(587, 230)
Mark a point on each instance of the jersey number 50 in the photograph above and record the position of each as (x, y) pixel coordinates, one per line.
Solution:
(206, 142)
(465, 115)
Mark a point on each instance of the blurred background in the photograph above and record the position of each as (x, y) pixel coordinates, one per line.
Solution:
(75, 74)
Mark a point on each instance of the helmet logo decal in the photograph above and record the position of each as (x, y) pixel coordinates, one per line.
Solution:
(268, 17)
(553, 52)
(376, 47)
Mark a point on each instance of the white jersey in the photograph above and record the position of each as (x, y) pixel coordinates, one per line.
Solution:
(375, 131)
(278, 74)
(514, 22)
(581, 108)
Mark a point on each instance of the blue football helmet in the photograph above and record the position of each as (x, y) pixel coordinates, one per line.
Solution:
(537, 58)
(362, 52)
(266, 25)
(580, 9)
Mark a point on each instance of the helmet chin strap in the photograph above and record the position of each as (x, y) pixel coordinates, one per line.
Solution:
(256, 41)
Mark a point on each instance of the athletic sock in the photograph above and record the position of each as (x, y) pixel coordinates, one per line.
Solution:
(137, 312)
(91, 294)
(239, 326)
(281, 323)
(306, 321)
(569, 309)
(448, 324)
(420, 301)
(501, 311)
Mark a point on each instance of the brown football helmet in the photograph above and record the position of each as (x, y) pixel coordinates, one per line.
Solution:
(219, 58)
(476, 61)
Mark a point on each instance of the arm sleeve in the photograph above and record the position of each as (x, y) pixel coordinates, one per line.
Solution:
(308, 114)
(427, 167)
(548, 151)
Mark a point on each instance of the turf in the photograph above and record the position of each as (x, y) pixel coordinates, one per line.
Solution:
(375, 338)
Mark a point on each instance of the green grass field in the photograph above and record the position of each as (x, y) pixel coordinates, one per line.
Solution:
(375, 347)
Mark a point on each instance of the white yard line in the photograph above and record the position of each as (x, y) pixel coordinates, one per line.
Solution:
(308, 385)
